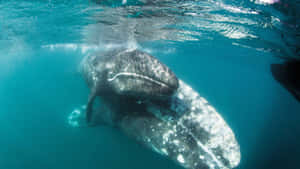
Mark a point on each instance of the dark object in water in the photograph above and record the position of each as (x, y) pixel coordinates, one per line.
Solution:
(288, 75)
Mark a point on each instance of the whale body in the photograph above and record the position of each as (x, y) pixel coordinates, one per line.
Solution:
(182, 126)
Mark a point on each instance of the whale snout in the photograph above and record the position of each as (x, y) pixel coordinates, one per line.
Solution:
(140, 74)
(168, 80)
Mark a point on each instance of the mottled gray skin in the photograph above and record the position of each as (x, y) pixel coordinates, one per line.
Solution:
(126, 76)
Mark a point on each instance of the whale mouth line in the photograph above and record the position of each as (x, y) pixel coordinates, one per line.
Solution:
(138, 76)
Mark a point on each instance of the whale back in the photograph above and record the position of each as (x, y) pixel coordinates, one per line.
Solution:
(187, 130)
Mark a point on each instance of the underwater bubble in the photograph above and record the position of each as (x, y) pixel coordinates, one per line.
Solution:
(77, 117)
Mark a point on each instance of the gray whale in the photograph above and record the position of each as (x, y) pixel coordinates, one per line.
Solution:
(183, 126)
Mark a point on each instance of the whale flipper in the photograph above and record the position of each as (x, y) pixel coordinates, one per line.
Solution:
(89, 107)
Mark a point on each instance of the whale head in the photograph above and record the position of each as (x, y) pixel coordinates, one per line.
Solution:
(137, 73)
(131, 73)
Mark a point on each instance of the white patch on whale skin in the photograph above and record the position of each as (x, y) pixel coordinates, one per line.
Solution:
(180, 158)
(137, 76)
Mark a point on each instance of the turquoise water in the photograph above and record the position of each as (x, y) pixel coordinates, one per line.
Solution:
(222, 48)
